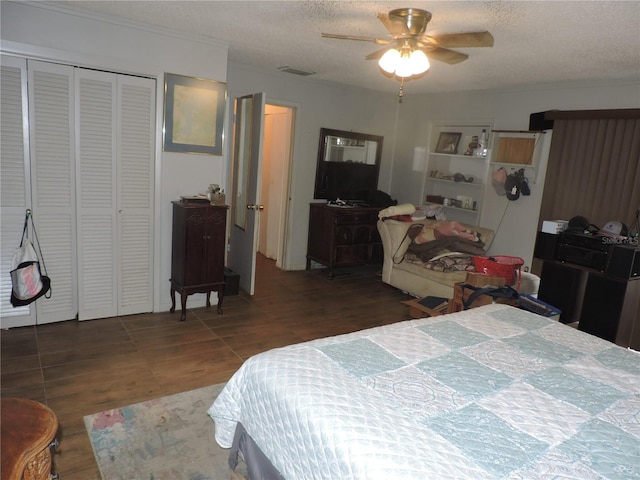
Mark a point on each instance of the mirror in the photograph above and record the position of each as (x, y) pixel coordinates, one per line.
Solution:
(242, 159)
(348, 165)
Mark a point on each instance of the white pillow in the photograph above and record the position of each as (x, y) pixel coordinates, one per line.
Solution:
(402, 209)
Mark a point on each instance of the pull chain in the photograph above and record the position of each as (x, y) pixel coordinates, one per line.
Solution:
(401, 92)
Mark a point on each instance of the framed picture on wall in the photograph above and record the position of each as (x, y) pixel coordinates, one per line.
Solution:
(193, 114)
(448, 142)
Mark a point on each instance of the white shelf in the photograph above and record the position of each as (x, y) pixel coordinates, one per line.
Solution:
(466, 184)
(458, 209)
(448, 164)
(466, 157)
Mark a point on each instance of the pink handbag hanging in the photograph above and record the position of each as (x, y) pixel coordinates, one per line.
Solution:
(28, 284)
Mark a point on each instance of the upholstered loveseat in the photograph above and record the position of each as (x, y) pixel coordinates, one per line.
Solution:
(407, 272)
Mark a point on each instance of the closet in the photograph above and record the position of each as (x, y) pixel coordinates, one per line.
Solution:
(81, 157)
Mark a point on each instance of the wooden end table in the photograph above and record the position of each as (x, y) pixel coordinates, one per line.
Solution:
(28, 431)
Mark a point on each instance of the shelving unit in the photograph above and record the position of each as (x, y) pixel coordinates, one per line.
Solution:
(442, 185)
(516, 149)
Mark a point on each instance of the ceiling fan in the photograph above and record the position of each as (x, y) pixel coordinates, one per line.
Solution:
(409, 48)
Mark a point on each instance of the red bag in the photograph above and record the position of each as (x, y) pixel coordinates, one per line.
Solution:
(500, 266)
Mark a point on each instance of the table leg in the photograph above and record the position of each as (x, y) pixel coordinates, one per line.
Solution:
(173, 299)
(220, 298)
(183, 300)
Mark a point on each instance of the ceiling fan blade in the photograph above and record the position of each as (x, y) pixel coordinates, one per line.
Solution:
(395, 28)
(445, 55)
(394, 43)
(464, 40)
(377, 54)
(377, 41)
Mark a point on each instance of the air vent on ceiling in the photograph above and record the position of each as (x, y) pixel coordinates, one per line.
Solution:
(295, 71)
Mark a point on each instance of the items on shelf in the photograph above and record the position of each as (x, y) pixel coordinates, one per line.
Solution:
(429, 211)
(481, 147)
(456, 177)
(471, 150)
(466, 203)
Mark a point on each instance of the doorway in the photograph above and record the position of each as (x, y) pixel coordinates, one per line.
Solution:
(274, 182)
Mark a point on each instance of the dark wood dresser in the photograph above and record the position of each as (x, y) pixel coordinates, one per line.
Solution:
(343, 236)
(28, 434)
(198, 251)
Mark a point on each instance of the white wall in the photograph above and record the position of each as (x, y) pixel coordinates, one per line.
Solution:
(507, 110)
(62, 35)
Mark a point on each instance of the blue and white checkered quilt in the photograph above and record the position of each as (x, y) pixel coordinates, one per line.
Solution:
(489, 393)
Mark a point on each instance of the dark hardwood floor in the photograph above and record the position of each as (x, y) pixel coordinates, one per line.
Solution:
(79, 368)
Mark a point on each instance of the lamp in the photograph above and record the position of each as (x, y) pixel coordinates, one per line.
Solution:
(405, 62)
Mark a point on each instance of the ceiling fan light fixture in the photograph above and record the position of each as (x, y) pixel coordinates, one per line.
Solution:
(389, 61)
(405, 63)
(404, 67)
(419, 62)
(404, 58)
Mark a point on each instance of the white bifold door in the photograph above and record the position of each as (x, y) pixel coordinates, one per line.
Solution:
(114, 178)
(15, 181)
(85, 168)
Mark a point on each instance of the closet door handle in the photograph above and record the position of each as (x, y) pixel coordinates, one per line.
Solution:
(255, 207)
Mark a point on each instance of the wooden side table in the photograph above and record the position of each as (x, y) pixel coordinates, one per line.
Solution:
(28, 431)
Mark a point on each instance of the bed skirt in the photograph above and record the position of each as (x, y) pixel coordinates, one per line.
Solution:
(258, 465)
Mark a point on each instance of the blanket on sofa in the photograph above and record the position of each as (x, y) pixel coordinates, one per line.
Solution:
(443, 246)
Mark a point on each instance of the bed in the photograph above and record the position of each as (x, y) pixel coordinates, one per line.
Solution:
(489, 393)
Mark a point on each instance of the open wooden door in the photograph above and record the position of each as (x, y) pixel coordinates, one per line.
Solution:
(246, 207)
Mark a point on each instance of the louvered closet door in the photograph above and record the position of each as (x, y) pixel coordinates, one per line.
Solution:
(51, 122)
(15, 193)
(135, 173)
(115, 187)
(96, 193)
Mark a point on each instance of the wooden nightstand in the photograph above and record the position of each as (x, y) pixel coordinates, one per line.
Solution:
(28, 433)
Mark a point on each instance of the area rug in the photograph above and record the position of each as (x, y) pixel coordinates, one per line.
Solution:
(169, 438)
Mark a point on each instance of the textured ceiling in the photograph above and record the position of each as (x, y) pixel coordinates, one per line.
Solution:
(535, 42)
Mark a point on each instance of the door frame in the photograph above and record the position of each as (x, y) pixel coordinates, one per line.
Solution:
(285, 207)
